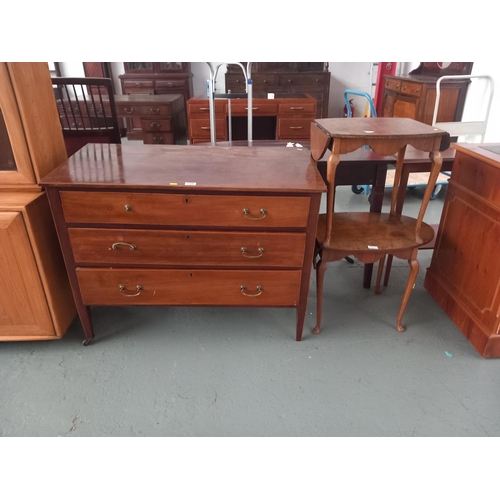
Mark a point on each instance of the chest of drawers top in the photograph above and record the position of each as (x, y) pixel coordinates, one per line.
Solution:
(183, 168)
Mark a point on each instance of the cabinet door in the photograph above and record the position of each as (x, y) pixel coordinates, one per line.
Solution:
(399, 106)
(15, 162)
(23, 306)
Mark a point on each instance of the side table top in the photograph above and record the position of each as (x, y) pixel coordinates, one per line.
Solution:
(385, 136)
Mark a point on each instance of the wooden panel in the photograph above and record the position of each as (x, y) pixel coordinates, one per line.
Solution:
(186, 210)
(23, 308)
(39, 115)
(188, 248)
(188, 286)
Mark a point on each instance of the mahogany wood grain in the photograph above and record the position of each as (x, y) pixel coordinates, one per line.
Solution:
(187, 248)
(464, 274)
(189, 287)
(185, 210)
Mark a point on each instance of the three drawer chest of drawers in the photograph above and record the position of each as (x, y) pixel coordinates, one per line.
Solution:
(176, 225)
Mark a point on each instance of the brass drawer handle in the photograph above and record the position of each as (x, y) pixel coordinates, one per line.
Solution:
(155, 111)
(205, 128)
(127, 110)
(122, 291)
(253, 108)
(297, 107)
(118, 244)
(137, 84)
(246, 211)
(296, 128)
(259, 250)
(204, 109)
(170, 84)
(417, 89)
(128, 208)
(155, 125)
(158, 139)
(404, 87)
(258, 288)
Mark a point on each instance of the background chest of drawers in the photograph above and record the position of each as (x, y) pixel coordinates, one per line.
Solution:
(173, 225)
(286, 117)
(154, 119)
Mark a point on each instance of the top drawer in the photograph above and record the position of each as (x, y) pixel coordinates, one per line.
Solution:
(138, 84)
(298, 108)
(149, 110)
(393, 84)
(204, 107)
(185, 210)
(410, 88)
(170, 84)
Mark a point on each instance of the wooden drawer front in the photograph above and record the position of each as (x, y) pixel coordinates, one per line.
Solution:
(392, 84)
(200, 128)
(294, 128)
(187, 248)
(303, 108)
(152, 125)
(411, 88)
(185, 210)
(153, 110)
(204, 108)
(170, 84)
(158, 137)
(188, 286)
(260, 108)
(138, 85)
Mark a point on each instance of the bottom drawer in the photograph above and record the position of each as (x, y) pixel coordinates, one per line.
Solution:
(158, 138)
(101, 286)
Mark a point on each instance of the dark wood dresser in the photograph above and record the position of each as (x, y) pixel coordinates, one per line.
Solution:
(179, 225)
(464, 275)
(157, 78)
(156, 119)
(312, 78)
(286, 117)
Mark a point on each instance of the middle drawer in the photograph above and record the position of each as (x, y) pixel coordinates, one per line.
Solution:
(186, 248)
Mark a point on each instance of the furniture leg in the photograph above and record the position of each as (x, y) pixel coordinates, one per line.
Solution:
(414, 267)
(379, 274)
(86, 319)
(320, 274)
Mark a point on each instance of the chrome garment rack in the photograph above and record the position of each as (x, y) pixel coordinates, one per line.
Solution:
(247, 73)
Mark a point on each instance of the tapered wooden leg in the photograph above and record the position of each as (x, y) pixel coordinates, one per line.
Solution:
(388, 269)
(379, 274)
(86, 320)
(414, 267)
(320, 274)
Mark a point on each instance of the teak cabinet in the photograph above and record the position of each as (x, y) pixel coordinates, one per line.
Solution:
(312, 78)
(414, 96)
(464, 275)
(35, 296)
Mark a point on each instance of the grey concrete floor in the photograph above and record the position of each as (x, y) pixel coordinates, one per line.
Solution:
(200, 371)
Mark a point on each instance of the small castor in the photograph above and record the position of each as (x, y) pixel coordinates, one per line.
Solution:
(86, 342)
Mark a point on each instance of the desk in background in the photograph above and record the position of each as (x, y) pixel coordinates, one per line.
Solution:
(286, 117)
